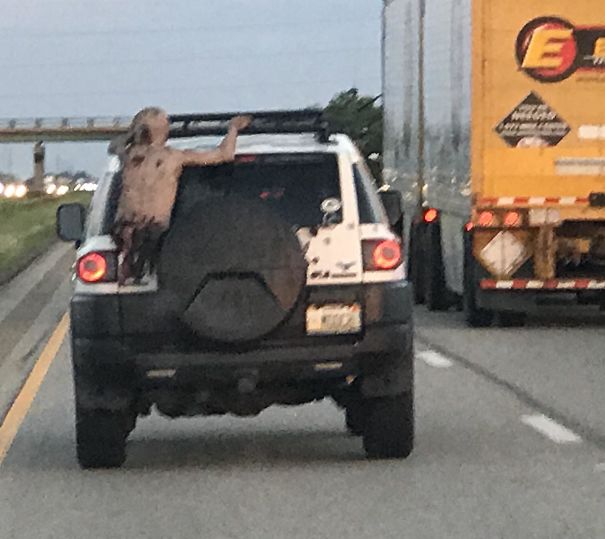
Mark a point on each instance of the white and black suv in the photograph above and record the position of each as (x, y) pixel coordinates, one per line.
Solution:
(280, 281)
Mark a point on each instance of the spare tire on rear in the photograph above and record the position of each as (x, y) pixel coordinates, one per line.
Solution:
(236, 268)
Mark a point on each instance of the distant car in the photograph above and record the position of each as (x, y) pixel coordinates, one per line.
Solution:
(280, 281)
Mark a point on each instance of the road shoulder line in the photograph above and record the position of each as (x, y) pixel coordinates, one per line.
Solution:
(15, 291)
(18, 411)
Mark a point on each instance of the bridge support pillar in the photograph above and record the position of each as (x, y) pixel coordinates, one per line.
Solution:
(39, 167)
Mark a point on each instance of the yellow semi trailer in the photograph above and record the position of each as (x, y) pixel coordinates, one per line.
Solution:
(495, 134)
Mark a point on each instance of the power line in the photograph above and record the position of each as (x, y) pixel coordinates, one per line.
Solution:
(189, 89)
(31, 33)
(189, 59)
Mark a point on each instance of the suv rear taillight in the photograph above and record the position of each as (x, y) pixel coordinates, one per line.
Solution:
(99, 267)
(381, 255)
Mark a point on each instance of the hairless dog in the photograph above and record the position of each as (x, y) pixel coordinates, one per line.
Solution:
(151, 172)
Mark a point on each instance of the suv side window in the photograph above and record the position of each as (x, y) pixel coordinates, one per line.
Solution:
(369, 207)
(100, 214)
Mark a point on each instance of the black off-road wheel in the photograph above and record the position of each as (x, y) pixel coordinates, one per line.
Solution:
(101, 438)
(389, 427)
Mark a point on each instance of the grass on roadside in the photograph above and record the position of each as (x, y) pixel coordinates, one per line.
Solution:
(27, 229)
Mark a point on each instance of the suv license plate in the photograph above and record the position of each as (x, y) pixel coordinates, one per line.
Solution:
(333, 319)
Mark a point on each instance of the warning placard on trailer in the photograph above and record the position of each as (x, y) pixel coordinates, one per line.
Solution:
(533, 124)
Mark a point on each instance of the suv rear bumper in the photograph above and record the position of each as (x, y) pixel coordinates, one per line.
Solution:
(113, 375)
(112, 366)
(378, 340)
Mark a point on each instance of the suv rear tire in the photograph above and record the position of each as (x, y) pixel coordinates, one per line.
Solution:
(101, 437)
(389, 427)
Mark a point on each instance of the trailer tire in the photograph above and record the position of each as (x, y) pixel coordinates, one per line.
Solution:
(510, 319)
(435, 291)
(415, 263)
(475, 317)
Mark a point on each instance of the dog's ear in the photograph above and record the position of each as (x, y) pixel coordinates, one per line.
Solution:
(119, 144)
(141, 135)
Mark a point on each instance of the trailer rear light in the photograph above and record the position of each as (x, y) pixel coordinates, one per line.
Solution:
(486, 218)
(381, 255)
(512, 219)
(97, 268)
(431, 215)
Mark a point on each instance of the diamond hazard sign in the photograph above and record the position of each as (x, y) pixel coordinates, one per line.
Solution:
(504, 255)
(533, 124)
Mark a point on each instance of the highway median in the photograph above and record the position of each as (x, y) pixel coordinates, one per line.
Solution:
(27, 229)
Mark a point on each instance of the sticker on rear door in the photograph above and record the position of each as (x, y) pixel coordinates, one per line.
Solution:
(533, 124)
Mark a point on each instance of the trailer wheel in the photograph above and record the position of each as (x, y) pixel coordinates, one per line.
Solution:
(509, 319)
(415, 263)
(475, 317)
(435, 291)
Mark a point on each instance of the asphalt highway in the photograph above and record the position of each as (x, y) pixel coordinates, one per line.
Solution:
(510, 444)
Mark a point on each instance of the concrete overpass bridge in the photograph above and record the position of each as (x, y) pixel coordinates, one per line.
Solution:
(104, 129)
(68, 129)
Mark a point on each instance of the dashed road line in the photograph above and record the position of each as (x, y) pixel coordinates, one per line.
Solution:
(588, 433)
(18, 411)
(435, 359)
(551, 429)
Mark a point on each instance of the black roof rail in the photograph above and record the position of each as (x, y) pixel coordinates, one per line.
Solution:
(263, 122)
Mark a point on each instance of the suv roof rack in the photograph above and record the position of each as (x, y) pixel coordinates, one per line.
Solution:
(263, 122)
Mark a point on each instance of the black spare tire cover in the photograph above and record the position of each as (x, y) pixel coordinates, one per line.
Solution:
(234, 267)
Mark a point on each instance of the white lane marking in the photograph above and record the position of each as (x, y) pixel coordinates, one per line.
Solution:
(434, 359)
(551, 429)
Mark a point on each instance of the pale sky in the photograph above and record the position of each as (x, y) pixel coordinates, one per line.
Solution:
(112, 57)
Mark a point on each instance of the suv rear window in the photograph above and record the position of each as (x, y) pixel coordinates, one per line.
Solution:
(369, 206)
(294, 184)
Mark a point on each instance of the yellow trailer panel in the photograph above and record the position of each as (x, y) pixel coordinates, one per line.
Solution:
(539, 99)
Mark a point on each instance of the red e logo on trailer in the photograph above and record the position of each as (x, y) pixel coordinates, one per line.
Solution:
(547, 49)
